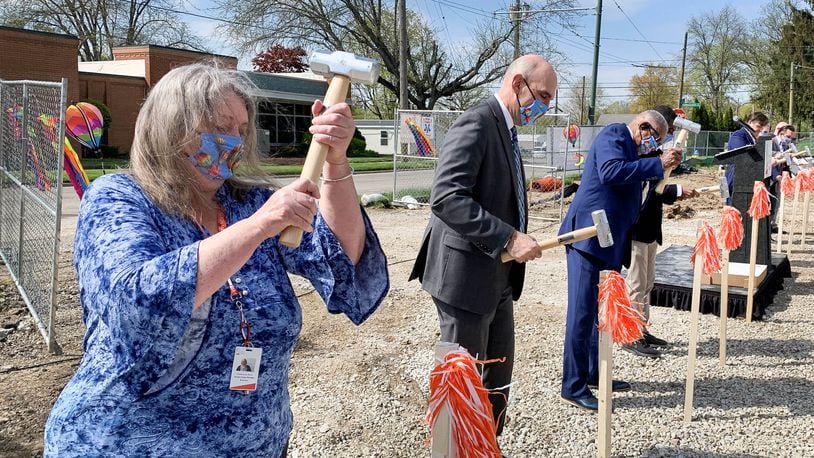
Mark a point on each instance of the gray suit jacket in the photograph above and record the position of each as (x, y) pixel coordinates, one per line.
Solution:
(474, 212)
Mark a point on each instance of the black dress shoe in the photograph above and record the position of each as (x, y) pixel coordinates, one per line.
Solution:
(617, 386)
(587, 402)
(641, 348)
(654, 341)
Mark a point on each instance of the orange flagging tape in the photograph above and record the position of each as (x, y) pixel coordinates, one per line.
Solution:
(615, 311)
(456, 384)
(731, 232)
(759, 207)
(787, 185)
(707, 247)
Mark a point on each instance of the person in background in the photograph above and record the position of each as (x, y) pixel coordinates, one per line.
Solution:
(479, 209)
(646, 237)
(757, 122)
(181, 270)
(612, 181)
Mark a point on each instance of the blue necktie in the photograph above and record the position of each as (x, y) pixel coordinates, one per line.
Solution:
(519, 182)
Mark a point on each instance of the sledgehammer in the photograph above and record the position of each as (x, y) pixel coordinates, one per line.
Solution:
(686, 126)
(600, 230)
(722, 187)
(343, 67)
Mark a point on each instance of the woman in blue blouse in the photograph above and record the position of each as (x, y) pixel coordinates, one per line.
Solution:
(182, 275)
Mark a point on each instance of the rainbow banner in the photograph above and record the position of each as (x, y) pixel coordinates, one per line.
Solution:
(422, 141)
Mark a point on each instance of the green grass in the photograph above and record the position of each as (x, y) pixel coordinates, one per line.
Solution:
(422, 195)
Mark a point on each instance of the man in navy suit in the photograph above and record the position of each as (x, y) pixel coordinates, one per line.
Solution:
(757, 122)
(612, 181)
(479, 209)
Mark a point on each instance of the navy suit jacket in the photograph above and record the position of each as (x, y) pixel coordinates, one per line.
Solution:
(612, 180)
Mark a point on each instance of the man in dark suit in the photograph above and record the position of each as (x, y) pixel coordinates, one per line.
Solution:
(612, 181)
(757, 123)
(479, 209)
(646, 237)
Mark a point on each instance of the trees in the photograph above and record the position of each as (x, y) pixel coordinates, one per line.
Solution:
(718, 50)
(279, 59)
(658, 85)
(368, 27)
(103, 24)
(576, 99)
(792, 47)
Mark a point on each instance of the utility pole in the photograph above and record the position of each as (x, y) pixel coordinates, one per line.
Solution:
(515, 15)
(791, 92)
(404, 103)
(592, 104)
(582, 103)
(681, 78)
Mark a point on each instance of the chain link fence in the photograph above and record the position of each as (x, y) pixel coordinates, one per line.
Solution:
(32, 133)
(544, 150)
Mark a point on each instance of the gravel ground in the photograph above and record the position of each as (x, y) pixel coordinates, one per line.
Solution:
(362, 391)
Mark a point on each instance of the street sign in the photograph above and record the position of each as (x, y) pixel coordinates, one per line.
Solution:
(691, 104)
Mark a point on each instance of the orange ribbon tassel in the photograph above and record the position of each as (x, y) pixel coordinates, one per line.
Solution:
(707, 247)
(806, 180)
(787, 185)
(615, 311)
(456, 384)
(731, 232)
(759, 207)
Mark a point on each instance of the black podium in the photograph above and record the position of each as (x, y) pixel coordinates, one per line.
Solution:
(751, 164)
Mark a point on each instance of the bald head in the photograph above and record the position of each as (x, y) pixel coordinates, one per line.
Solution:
(528, 77)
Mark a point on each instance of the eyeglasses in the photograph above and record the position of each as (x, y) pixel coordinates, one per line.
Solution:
(652, 131)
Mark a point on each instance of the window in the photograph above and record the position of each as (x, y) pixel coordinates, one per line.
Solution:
(383, 138)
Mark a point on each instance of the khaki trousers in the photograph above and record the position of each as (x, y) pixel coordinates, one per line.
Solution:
(641, 275)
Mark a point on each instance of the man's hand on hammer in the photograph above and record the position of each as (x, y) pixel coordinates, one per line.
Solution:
(671, 158)
(523, 247)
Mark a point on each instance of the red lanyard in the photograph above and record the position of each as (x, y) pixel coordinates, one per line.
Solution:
(234, 294)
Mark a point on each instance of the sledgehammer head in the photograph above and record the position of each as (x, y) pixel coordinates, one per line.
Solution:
(603, 232)
(344, 63)
(724, 188)
(687, 124)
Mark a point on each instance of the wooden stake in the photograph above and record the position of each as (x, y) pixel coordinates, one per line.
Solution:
(603, 448)
(805, 219)
(694, 311)
(780, 216)
(750, 290)
(724, 307)
(793, 216)
(443, 446)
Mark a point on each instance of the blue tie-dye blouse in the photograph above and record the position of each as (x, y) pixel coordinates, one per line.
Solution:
(154, 379)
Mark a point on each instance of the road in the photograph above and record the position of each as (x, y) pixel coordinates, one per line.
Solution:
(366, 183)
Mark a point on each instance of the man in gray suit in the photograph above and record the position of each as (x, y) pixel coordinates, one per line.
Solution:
(479, 209)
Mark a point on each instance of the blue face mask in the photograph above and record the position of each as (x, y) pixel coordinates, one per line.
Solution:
(218, 155)
(530, 113)
(648, 145)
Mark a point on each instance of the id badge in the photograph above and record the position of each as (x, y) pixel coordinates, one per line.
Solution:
(245, 368)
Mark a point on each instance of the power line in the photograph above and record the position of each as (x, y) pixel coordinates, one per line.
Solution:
(637, 29)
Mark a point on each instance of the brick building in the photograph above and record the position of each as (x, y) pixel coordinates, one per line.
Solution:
(122, 83)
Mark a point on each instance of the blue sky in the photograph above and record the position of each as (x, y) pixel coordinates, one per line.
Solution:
(659, 38)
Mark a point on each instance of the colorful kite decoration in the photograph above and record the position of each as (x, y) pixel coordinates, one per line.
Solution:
(15, 120)
(422, 142)
(580, 159)
(571, 133)
(84, 123)
(74, 170)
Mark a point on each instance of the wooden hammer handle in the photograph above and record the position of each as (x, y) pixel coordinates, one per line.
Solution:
(315, 159)
(564, 239)
(680, 138)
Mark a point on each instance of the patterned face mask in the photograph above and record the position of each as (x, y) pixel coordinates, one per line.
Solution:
(218, 155)
(530, 113)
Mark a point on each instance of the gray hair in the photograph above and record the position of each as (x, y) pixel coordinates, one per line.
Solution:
(183, 100)
(658, 118)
